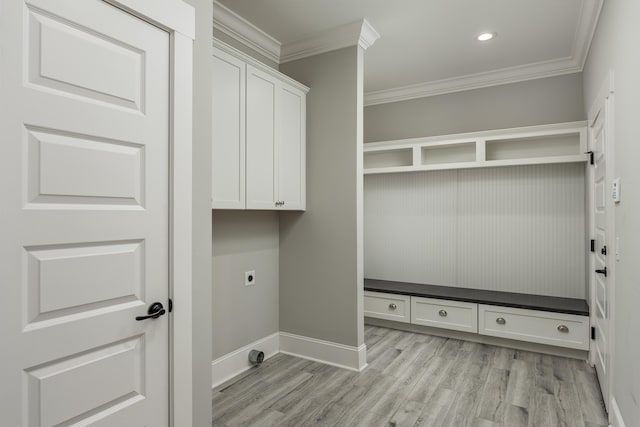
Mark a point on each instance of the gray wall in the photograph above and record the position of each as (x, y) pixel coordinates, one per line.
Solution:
(202, 214)
(536, 102)
(615, 46)
(243, 241)
(319, 286)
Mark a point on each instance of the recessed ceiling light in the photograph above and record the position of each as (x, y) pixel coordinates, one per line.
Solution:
(486, 36)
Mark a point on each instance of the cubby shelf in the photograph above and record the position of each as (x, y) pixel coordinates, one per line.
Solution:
(557, 143)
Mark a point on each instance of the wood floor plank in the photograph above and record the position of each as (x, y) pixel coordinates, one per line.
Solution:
(254, 412)
(407, 415)
(435, 410)
(590, 398)
(521, 382)
(493, 401)
(515, 416)
(415, 380)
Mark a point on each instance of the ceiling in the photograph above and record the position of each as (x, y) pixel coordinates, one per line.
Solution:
(429, 46)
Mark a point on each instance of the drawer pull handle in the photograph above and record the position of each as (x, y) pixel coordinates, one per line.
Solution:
(563, 328)
(392, 306)
(442, 313)
(500, 321)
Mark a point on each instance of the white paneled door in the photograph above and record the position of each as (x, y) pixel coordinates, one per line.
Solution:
(601, 276)
(85, 200)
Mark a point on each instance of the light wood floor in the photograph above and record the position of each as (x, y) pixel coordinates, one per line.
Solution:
(416, 380)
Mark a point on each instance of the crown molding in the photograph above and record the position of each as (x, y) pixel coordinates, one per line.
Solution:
(589, 14)
(516, 74)
(358, 33)
(235, 26)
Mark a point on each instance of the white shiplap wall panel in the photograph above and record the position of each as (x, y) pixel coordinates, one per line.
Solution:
(515, 229)
(522, 229)
(405, 214)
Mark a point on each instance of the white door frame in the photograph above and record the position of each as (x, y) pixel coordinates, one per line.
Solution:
(604, 100)
(178, 19)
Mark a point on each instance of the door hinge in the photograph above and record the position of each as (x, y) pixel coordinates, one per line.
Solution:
(590, 153)
(593, 245)
(170, 305)
(593, 332)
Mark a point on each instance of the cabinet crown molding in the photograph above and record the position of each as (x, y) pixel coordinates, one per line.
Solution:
(358, 33)
(235, 26)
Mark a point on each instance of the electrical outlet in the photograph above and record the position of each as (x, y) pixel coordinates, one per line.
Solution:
(249, 278)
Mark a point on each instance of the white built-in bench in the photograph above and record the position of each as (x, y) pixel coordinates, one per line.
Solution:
(561, 322)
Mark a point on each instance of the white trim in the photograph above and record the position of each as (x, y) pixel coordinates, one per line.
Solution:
(616, 415)
(368, 35)
(589, 14)
(180, 231)
(175, 15)
(524, 131)
(228, 366)
(178, 18)
(219, 44)
(358, 33)
(327, 352)
(502, 76)
(243, 31)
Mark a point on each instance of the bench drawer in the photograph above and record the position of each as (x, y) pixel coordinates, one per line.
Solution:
(437, 313)
(387, 306)
(543, 327)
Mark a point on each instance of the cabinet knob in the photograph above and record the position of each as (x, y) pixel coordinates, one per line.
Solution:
(500, 321)
(392, 306)
(442, 313)
(563, 328)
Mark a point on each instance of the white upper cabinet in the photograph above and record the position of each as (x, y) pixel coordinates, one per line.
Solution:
(259, 153)
(291, 149)
(262, 116)
(228, 186)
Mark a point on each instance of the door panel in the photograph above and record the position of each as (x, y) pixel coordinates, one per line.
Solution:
(84, 157)
(228, 185)
(291, 154)
(600, 281)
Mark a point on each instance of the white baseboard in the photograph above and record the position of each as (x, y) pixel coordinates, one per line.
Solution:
(228, 366)
(327, 352)
(616, 416)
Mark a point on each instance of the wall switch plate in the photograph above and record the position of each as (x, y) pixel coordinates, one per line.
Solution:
(249, 278)
(615, 190)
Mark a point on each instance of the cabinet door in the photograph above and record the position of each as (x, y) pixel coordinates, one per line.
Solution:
(291, 154)
(228, 186)
(262, 117)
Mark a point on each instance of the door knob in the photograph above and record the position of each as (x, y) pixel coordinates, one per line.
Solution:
(602, 271)
(155, 310)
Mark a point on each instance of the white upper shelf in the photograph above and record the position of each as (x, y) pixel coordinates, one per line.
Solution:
(556, 143)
